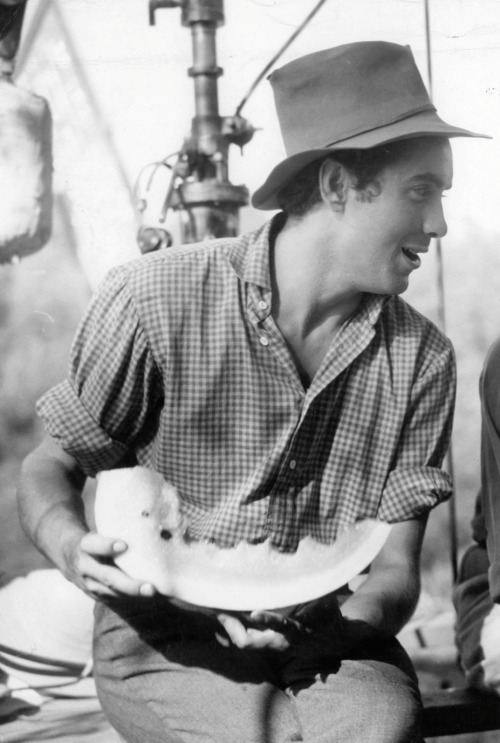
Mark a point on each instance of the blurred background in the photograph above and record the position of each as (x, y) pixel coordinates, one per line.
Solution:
(121, 99)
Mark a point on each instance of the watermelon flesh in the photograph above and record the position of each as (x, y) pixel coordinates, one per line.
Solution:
(138, 506)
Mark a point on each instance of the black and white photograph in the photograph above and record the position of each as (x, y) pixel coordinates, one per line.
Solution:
(249, 371)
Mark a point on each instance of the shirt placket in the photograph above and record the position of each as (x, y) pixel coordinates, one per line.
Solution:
(269, 335)
(281, 520)
(353, 339)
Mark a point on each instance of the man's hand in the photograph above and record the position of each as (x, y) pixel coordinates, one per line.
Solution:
(307, 651)
(265, 629)
(316, 627)
(52, 514)
(90, 565)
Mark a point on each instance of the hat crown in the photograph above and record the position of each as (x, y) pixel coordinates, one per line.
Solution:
(332, 95)
(355, 96)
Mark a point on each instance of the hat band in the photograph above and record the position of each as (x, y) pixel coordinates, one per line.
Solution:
(386, 122)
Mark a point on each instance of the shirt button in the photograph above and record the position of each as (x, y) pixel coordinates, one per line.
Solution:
(292, 464)
(262, 305)
(264, 341)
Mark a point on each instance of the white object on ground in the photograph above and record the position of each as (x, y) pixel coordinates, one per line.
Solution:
(44, 616)
(488, 675)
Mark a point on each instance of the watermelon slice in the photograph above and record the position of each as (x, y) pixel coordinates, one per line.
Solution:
(140, 507)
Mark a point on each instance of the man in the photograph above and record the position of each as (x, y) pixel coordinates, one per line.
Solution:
(279, 382)
(477, 592)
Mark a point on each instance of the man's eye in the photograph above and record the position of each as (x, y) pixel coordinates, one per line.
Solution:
(420, 193)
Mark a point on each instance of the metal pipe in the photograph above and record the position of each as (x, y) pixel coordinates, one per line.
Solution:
(453, 531)
(204, 69)
(200, 190)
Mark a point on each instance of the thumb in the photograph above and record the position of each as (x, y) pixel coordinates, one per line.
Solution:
(100, 546)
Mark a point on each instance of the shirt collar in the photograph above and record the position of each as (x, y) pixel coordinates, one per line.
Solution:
(250, 261)
(371, 307)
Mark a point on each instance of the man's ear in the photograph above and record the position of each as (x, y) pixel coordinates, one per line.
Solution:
(334, 182)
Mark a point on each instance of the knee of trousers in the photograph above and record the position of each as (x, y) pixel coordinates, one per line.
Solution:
(391, 715)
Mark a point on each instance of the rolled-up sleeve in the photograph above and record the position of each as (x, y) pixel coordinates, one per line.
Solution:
(109, 404)
(417, 482)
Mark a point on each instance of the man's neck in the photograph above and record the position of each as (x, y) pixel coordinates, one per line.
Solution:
(312, 298)
(310, 287)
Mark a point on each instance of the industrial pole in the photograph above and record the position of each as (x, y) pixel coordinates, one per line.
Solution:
(200, 189)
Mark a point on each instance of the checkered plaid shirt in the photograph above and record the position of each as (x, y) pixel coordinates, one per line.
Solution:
(179, 362)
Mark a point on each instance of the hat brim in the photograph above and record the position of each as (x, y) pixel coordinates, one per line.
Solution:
(425, 124)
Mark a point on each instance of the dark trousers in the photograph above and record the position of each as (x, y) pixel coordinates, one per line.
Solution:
(162, 677)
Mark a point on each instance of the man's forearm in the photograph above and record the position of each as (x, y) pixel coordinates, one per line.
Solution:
(387, 598)
(50, 505)
(384, 602)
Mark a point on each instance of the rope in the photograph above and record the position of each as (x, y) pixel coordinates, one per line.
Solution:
(59, 663)
(442, 316)
(61, 667)
(278, 54)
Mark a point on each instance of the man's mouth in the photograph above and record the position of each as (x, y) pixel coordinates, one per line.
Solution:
(412, 256)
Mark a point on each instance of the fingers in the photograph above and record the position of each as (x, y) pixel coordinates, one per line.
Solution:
(235, 629)
(113, 583)
(250, 637)
(306, 641)
(275, 620)
(267, 639)
(107, 581)
(98, 576)
(99, 546)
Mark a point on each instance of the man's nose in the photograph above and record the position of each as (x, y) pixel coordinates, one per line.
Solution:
(435, 223)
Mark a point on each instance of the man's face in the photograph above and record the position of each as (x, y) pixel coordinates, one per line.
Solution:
(383, 236)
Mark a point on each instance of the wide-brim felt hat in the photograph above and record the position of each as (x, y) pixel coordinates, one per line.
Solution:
(354, 96)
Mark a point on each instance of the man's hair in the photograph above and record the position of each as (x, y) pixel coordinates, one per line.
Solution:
(302, 192)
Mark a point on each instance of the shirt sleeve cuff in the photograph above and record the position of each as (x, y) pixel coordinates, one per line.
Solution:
(413, 491)
(72, 427)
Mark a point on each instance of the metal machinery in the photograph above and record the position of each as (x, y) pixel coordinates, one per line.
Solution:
(200, 189)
